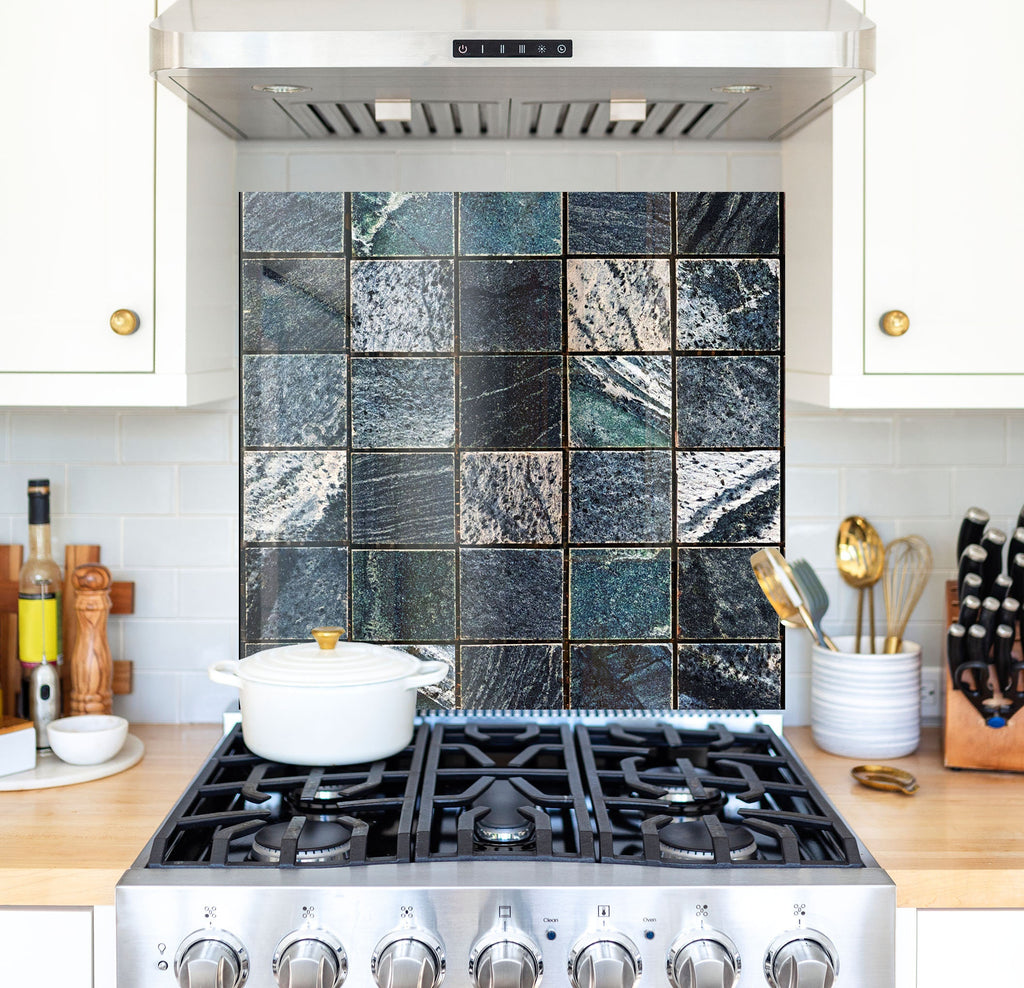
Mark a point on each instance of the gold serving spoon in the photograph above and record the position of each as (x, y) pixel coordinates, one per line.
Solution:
(860, 559)
(784, 593)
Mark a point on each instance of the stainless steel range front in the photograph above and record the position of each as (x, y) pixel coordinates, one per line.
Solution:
(591, 851)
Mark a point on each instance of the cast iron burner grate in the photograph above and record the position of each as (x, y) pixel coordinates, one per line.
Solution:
(514, 788)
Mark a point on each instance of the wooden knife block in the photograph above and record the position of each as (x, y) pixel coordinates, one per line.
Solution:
(967, 741)
(122, 595)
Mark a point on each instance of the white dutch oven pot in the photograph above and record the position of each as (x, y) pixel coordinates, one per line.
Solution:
(327, 702)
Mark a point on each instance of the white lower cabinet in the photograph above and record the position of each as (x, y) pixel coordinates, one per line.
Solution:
(44, 947)
(969, 947)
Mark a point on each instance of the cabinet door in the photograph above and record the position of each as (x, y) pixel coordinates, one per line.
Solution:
(46, 948)
(76, 199)
(955, 947)
(944, 213)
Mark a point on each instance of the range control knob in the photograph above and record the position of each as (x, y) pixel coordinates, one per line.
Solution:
(505, 961)
(310, 959)
(211, 959)
(410, 959)
(801, 959)
(707, 960)
(608, 960)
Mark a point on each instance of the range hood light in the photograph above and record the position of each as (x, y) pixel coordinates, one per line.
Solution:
(279, 89)
(627, 109)
(399, 110)
(741, 89)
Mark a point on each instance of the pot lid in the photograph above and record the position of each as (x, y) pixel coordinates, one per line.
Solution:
(328, 662)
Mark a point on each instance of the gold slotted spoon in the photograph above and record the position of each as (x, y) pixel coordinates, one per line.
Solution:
(860, 559)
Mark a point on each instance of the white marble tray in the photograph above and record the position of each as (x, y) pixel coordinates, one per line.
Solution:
(50, 771)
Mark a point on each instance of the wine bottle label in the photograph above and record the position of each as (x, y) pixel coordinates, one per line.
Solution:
(38, 629)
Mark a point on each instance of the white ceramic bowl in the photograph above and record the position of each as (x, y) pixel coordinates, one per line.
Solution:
(88, 739)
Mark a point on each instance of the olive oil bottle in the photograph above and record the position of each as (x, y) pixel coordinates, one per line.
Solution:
(39, 595)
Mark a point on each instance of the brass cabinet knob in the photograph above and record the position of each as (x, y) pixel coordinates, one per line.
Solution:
(895, 323)
(327, 638)
(124, 322)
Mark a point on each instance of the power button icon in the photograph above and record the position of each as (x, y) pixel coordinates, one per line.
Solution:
(463, 49)
(561, 49)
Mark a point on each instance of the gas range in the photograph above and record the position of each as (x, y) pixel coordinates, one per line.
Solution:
(497, 850)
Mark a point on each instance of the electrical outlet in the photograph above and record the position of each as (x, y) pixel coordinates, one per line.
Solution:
(931, 694)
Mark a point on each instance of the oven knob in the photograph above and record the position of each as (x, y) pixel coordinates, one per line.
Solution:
(311, 959)
(211, 959)
(609, 962)
(408, 960)
(709, 960)
(801, 959)
(505, 962)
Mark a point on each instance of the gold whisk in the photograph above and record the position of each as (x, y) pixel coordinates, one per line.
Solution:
(908, 564)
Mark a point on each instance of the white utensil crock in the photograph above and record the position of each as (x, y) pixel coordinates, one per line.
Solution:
(339, 705)
(863, 705)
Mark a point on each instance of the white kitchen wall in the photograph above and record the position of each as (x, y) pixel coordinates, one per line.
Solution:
(159, 490)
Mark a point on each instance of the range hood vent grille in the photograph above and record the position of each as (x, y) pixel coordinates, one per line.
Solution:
(574, 119)
(437, 119)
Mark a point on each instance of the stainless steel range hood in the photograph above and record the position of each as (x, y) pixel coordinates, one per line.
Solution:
(492, 69)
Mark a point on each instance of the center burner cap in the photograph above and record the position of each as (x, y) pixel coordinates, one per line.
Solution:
(319, 842)
(691, 841)
(502, 824)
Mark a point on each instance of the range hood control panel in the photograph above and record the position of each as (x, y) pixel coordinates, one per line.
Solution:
(515, 48)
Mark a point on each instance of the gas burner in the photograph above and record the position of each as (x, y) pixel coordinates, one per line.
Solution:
(691, 841)
(327, 803)
(502, 824)
(319, 843)
(681, 801)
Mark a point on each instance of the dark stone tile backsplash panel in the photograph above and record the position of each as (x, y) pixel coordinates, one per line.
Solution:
(536, 436)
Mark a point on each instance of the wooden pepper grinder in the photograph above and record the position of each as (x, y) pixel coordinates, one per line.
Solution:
(92, 670)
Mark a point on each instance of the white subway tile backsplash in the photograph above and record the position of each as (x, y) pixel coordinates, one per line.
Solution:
(179, 645)
(261, 171)
(798, 699)
(121, 490)
(154, 699)
(76, 437)
(927, 439)
(896, 493)
(203, 701)
(755, 172)
(175, 437)
(14, 480)
(180, 542)
(209, 490)
(208, 593)
(444, 172)
(156, 591)
(1015, 439)
(812, 493)
(577, 170)
(817, 440)
(813, 540)
(999, 490)
(367, 172)
(654, 172)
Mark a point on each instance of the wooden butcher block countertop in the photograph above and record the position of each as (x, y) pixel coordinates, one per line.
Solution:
(958, 843)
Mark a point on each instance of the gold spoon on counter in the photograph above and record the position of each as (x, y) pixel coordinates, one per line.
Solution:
(860, 559)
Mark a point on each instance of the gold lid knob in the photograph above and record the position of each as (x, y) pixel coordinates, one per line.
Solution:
(124, 322)
(895, 323)
(327, 638)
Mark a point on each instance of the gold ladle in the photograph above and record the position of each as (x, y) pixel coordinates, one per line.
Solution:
(783, 593)
(860, 559)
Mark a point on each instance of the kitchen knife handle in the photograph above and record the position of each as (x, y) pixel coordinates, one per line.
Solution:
(1016, 545)
(971, 528)
(972, 560)
(1017, 576)
(1004, 644)
(1001, 587)
(1009, 612)
(988, 618)
(993, 542)
(970, 608)
(977, 662)
(955, 653)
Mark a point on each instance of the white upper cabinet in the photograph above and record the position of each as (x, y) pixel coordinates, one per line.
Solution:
(906, 198)
(99, 213)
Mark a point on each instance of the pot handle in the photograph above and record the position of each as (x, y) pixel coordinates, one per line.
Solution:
(430, 673)
(224, 673)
